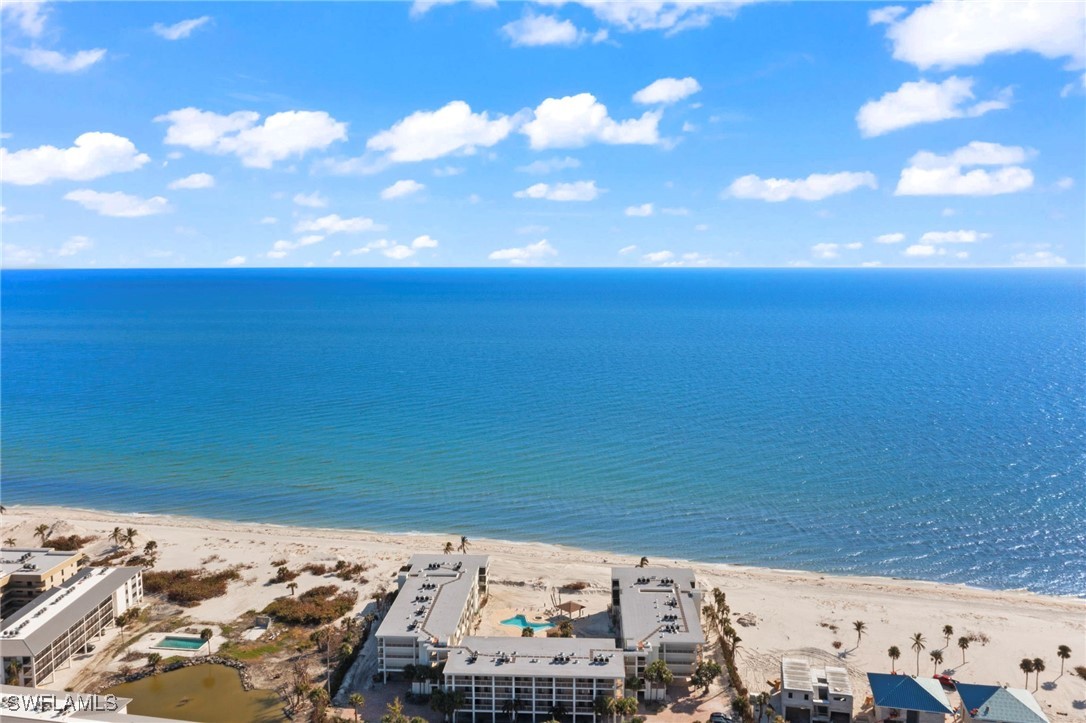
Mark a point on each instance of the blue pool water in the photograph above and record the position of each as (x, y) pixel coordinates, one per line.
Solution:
(175, 642)
(519, 621)
(925, 424)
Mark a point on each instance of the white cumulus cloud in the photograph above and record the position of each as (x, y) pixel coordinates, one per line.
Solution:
(28, 16)
(576, 191)
(333, 223)
(577, 120)
(121, 205)
(929, 174)
(549, 165)
(815, 187)
(280, 136)
(924, 102)
(399, 189)
(525, 255)
(92, 156)
(890, 238)
(194, 181)
(627, 250)
(825, 250)
(1038, 258)
(953, 237)
(52, 61)
(644, 209)
(537, 30)
(951, 33)
(666, 91)
(234, 261)
(426, 135)
(920, 250)
(670, 17)
(658, 257)
(74, 245)
(181, 29)
(311, 200)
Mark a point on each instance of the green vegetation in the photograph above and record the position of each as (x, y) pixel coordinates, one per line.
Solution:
(705, 673)
(284, 574)
(718, 614)
(188, 587)
(69, 543)
(316, 606)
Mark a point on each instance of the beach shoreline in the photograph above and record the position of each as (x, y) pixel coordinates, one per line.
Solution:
(788, 612)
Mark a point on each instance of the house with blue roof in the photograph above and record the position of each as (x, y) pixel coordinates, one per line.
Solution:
(904, 699)
(995, 704)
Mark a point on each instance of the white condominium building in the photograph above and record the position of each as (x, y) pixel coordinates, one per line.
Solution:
(434, 609)
(44, 634)
(541, 678)
(657, 613)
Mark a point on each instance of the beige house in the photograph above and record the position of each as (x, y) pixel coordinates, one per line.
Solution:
(435, 608)
(26, 572)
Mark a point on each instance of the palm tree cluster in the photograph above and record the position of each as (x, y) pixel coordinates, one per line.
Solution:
(717, 613)
(125, 538)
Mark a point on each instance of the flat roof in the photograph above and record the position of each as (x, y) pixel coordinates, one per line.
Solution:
(32, 560)
(432, 597)
(659, 605)
(34, 627)
(88, 706)
(795, 674)
(838, 681)
(537, 657)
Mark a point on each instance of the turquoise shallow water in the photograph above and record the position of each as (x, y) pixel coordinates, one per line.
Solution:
(922, 424)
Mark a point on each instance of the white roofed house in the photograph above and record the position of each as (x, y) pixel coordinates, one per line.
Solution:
(814, 695)
(434, 609)
(657, 612)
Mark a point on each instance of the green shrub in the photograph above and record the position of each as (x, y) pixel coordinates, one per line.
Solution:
(70, 543)
(317, 606)
(188, 587)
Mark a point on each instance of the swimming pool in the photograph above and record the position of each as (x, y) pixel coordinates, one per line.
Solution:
(519, 621)
(178, 642)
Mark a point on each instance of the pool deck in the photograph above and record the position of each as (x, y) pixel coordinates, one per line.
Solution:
(152, 643)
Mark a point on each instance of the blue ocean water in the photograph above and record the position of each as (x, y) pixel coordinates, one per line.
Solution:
(926, 424)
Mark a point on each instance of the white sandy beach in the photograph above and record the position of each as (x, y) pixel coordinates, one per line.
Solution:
(791, 611)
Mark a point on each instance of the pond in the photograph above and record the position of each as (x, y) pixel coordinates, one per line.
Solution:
(203, 694)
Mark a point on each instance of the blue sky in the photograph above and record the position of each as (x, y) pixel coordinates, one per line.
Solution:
(562, 134)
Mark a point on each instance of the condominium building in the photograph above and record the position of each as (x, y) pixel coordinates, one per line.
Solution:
(542, 678)
(657, 613)
(814, 695)
(435, 608)
(58, 624)
(26, 572)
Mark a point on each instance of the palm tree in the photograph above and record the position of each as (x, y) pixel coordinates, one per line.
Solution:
(626, 707)
(292, 586)
(42, 531)
(356, 701)
(557, 712)
(603, 705)
(1064, 653)
(509, 709)
(153, 660)
(117, 536)
(859, 626)
(936, 659)
(12, 673)
(463, 544)
(448, 549)
(894, 654)
(644, 562)
(9, 542)
(948, 631)
(1038, 668)
(130, 536)
(1080, 671)
(657, 672)
(918, 645)
(963, 643)
(528, 632)
(1026, 666)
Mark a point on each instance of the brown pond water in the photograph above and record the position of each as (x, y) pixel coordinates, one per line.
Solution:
(201, 693)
